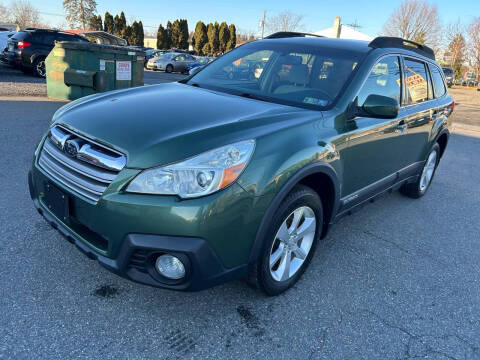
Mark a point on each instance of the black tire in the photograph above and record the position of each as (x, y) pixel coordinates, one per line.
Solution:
(414, 189)
(38, 67)
(260, 275)
(169, 69)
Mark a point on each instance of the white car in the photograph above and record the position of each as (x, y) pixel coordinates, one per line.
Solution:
(4, 36)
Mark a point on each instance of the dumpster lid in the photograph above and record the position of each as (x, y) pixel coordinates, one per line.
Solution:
(100, 37)
(89, 46)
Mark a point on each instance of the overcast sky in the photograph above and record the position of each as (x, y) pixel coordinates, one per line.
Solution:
(246, 14)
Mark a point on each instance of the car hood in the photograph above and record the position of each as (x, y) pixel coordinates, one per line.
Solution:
(161, 124)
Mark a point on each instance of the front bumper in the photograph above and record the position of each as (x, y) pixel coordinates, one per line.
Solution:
(136, 232)
(156, 66)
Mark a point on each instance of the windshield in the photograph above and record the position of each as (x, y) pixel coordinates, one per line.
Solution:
(293, 74)
(168, 55)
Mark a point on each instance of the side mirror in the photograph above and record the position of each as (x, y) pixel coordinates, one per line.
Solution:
(379, 106)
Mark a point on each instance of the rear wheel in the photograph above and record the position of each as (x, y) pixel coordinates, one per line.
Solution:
(39, 67)
(169, 69)
(290, 241)
(419, 188)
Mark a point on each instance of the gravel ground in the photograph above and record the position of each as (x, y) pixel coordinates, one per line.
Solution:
(399, 280)
(14, 82)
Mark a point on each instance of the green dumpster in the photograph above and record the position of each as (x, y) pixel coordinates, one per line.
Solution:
(77, 69)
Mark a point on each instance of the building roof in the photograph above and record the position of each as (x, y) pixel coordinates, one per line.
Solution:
(346, 32)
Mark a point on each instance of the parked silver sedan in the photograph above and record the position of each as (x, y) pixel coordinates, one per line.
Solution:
(171, 62)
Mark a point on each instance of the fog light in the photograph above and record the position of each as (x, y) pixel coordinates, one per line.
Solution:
(170, 266)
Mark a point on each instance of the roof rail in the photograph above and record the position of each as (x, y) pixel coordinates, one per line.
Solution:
(288, 34)
(396, 42)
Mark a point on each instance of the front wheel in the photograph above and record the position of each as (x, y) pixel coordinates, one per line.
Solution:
(169, 68)
(290, 242)
(419, 188)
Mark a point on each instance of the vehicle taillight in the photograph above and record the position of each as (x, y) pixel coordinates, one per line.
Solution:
(23, 44)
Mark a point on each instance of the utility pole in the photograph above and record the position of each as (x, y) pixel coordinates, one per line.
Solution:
(262, 23)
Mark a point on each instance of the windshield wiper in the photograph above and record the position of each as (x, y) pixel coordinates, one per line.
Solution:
(252, 96)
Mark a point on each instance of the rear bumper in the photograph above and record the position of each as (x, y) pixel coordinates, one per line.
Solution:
(12, 58)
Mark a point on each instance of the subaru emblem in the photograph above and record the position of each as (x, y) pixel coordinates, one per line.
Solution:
(71, 148)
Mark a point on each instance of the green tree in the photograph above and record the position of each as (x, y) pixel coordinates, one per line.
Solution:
(141, 34)
(223, 37)
(207, 49)
(232, 42)
(169, 35)
(212, 33)
(95, 23)
(184, 38)
(176, 34)
(79, 12)
(108, 23)
(117, 26)
(200, 37)
(162, 37)
(123, 23)
(128, 34)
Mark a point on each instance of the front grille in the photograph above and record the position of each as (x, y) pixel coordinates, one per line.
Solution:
(81, 165)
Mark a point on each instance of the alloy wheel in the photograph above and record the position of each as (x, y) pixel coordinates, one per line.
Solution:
(428, 171)
(292, 243)
(40, 68)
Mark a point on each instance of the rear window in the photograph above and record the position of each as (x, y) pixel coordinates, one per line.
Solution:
(21, 35)
(416, 82)
(438, 84)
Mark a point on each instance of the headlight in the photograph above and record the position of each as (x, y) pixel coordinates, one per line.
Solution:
(198, 176)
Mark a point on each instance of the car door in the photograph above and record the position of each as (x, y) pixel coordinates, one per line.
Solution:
(417, 111)
(373, 154)
(180, 63)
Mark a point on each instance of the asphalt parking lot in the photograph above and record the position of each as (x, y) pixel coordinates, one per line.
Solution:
(398, 280)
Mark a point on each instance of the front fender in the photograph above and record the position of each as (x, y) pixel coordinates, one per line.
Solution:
(310, 169)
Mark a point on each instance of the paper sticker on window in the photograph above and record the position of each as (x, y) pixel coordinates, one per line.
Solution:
(315, 101)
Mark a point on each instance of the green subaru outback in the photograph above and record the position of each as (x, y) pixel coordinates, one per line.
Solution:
(239, 170)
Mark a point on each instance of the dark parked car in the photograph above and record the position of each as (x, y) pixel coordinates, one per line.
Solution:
(28, 49)
(216, 178)
(200, 61)
(449, 76)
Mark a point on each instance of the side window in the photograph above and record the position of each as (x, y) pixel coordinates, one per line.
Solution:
(416, 84)
(438, 83)
(384, 79)
(47, 39)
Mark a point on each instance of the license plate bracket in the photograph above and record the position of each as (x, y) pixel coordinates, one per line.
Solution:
(56, 201)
